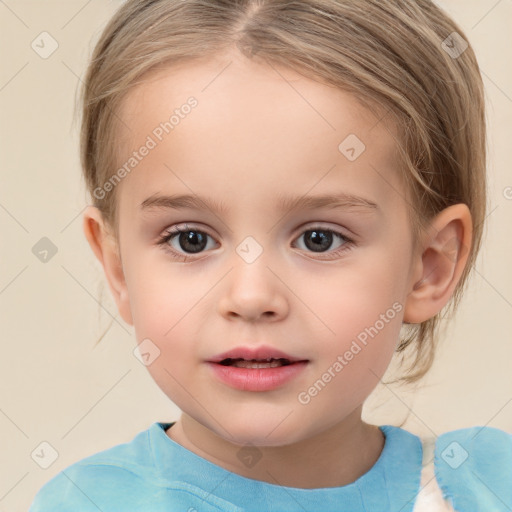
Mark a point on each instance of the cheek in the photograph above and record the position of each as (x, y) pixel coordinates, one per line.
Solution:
(168, 309)
(359, 311)
(161, 297)
(164, 311)
(355, 295)
(350, 367)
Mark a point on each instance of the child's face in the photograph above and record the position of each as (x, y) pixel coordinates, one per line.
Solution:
(254, 138)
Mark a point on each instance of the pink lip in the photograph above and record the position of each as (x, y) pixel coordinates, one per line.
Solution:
(256, 379)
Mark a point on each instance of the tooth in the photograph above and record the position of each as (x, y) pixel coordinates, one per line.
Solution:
(253, 364)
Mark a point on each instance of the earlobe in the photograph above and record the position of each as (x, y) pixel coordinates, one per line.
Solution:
(440, 264)
(106, 251)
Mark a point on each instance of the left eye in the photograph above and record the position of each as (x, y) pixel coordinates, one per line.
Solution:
(321, 239)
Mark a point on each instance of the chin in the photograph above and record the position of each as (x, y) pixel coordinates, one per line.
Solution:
(259, 431)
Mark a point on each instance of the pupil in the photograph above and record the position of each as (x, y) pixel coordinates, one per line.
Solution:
(189, 239)
(322, 240)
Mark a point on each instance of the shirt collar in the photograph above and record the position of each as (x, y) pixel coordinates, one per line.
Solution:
(392, 483)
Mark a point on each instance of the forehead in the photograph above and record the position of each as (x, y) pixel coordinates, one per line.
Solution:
(252, 119)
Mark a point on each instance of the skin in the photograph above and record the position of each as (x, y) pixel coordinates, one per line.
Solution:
(260, 132)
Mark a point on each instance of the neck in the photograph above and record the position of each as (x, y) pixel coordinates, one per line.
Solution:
(332, 458)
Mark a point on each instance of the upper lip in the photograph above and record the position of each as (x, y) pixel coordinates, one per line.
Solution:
(262, 352)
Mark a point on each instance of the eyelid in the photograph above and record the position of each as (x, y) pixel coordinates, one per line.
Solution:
(318, 227)
(186, 226)
(326, 226)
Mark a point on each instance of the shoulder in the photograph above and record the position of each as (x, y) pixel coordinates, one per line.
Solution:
(92, 480)
(128, 477)
(466, 469)
(474, 466)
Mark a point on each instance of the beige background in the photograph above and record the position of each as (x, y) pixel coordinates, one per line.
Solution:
(56, 386)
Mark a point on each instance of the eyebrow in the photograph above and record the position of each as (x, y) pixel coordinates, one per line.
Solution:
(333, 201)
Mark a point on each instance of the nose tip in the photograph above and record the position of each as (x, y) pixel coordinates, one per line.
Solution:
(253, 306)
(253, 293)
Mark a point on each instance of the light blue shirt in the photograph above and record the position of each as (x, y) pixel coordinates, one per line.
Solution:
(152, 473)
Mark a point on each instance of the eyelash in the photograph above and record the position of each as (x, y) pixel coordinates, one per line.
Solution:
(170, 234)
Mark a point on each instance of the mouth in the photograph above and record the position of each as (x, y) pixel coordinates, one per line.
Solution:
(256, 363)
(255, 357)
(261, 368)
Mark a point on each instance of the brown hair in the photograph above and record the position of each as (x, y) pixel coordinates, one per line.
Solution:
(406, 56)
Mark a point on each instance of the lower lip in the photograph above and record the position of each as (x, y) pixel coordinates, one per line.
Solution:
(257, 379)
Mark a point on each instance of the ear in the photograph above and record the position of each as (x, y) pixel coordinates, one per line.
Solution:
(106, 250)
(439, 263)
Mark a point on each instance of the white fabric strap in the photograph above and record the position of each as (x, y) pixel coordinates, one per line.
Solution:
(430, 498)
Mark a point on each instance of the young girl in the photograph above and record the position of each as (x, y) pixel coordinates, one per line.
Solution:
(327, 158)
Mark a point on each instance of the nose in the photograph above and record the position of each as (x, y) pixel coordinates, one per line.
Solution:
(253, 292)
